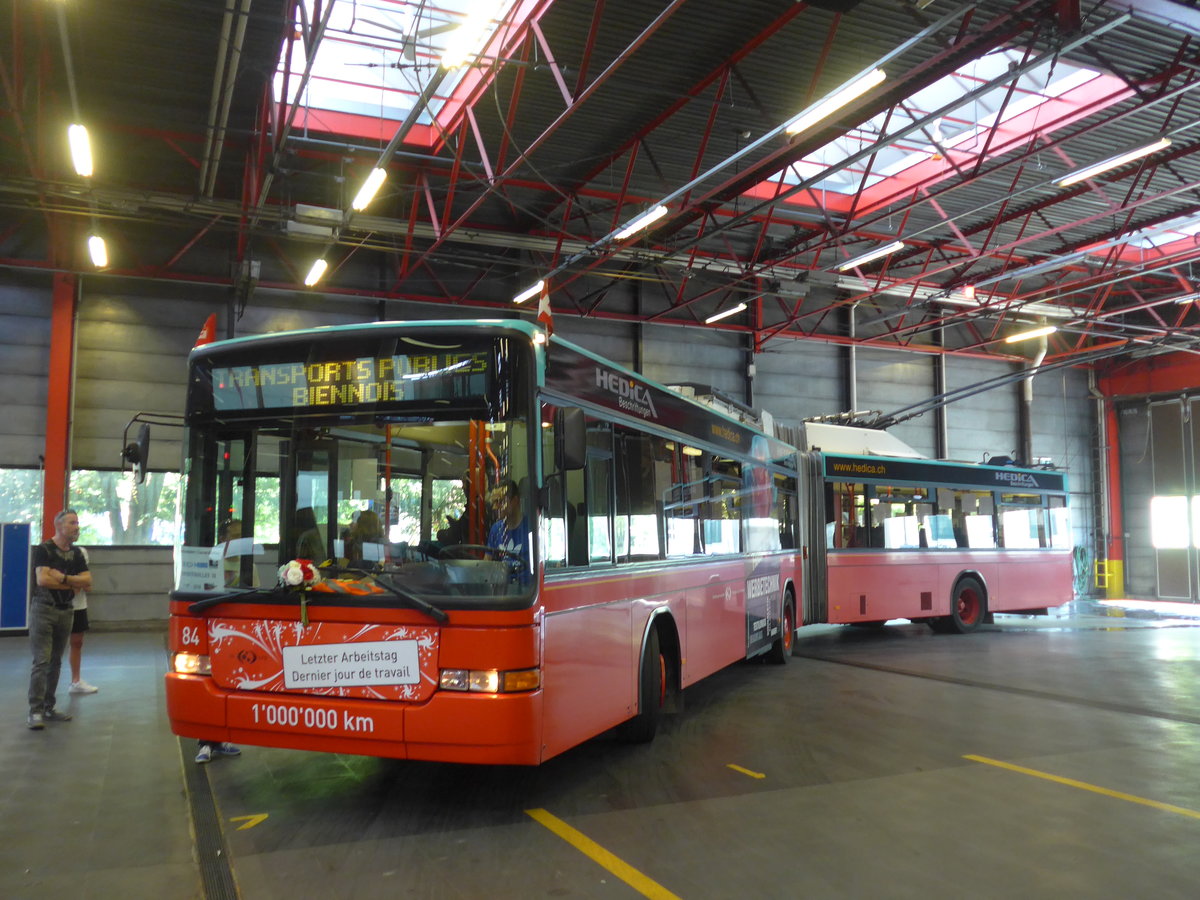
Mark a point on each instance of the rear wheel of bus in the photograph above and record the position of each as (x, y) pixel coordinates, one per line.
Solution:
(652, 693)
(781, 650)
(968, 608)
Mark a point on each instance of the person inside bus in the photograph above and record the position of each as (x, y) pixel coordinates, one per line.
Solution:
(233, 548)
(510, 531)
(309, 543)
(364, 540)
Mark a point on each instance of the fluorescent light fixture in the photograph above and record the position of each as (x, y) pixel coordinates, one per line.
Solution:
(98, 251)
(1187, 298)
(645, 220)
(1112, 163)
(725, 314)
(315, 273)
(1029, 335)
(871, 256)
(367, 192)
(466, 38)
(532, 291)
(835, 101)
(81, 149)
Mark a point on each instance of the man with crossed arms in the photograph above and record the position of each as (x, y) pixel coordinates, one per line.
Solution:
(60, 570)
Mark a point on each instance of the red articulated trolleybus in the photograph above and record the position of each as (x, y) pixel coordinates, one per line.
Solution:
(463, 541)
(930, 541)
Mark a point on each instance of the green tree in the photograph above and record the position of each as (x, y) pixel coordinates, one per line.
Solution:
(21, 497)
(134, 513)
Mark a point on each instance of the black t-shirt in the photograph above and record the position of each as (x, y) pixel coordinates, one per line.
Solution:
(71, 562)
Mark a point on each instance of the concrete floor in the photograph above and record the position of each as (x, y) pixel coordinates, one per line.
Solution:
(844, 774)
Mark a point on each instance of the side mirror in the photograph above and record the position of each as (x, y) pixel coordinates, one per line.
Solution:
(137, 454)
(570, 439)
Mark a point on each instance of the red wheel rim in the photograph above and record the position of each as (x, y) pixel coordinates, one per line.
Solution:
(968, 606)
(789, 627)
(662, 680)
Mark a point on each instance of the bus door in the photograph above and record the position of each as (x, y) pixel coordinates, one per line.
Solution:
(812, 538)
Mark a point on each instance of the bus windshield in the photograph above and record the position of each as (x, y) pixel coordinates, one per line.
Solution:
(398, 470)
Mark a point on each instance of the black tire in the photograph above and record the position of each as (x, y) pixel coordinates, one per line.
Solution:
(652, 693)
(781, 650)
(968, 607)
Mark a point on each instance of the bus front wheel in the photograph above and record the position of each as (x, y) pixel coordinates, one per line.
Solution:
(652, 693)
(968, 608)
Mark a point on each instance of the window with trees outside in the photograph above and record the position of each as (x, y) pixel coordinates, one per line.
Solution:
(114, 511)
(21, 499)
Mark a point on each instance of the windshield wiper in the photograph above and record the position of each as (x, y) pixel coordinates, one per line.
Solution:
(236, 595)
(438, 615)
(242, 594)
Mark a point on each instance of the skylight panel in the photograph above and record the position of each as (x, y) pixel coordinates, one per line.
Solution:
(377, 57)
(968, 122)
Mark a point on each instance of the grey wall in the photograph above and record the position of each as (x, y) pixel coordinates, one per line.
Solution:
(24, 349)
(129, 585)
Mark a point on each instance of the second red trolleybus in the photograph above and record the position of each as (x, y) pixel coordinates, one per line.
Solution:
(462, 541)
(892, 535)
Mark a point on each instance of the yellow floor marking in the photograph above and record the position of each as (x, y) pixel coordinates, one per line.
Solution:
(745, 771)
(1084, 786)
(647, 887)
(251, 821)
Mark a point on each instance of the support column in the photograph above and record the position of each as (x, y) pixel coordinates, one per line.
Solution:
(941, 419)
(1114, 536)
(850, 363)
(56, 460)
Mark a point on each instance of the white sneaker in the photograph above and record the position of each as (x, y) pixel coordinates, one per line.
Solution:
(82, 687)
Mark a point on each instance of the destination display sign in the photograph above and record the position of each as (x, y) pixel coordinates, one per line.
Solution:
(878, 469)
(348, 382)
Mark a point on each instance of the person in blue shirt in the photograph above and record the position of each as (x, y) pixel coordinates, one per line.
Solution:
(510, 531)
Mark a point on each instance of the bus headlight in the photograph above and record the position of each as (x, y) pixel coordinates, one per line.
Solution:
(190, 664)
(490, 681)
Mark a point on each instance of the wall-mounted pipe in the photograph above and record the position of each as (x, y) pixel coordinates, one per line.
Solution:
(1026, 405)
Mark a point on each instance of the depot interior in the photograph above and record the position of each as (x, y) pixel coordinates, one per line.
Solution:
(972, 224)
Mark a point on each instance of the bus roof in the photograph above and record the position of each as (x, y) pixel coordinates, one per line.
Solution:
(526, 328)
(856, 441)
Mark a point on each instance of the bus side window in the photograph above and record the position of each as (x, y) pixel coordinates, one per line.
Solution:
(598, 492)
(555, 533)
(845, 519)
(1060, 522)
(974, 519)
(638, 532)
(785, 510)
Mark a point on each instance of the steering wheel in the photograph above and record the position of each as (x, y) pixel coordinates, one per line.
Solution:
(458, 551)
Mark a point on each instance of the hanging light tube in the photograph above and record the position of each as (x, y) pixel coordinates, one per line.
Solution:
(370, 187)
(532, 291)
(870, 256)
(1029, 335)
(642, 222)
(1112, 163)
(1186, 298)
(835, 101)
(81, 149)
(98, 251)
(315, 273)
(725, 313)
